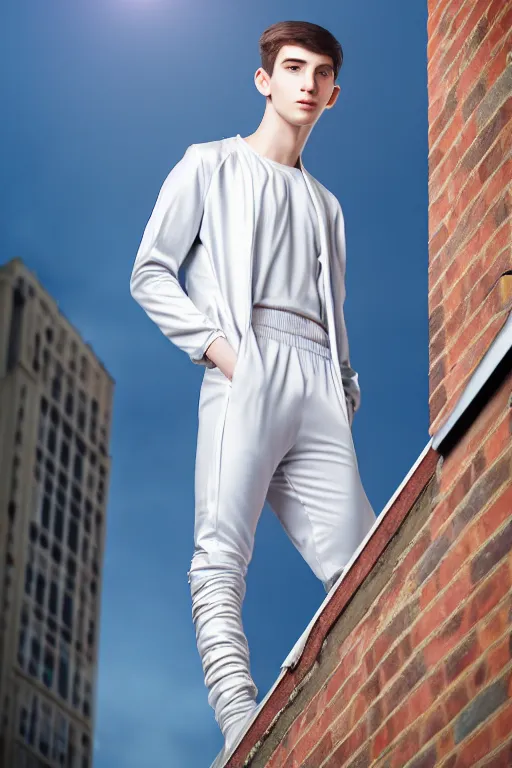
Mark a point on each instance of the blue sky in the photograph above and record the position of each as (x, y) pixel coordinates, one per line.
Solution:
(100, 99)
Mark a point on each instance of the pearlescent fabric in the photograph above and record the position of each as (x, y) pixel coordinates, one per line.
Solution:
(205, 220)
(287, 273)
(278, 431)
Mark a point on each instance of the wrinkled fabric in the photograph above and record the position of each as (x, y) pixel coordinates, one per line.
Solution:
(281, 429)
(277, 432)
(287, 271)
(204, 221)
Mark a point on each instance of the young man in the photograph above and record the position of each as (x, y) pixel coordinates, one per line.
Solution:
(263, 248)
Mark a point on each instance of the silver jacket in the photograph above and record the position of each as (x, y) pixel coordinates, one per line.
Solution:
(203, 220)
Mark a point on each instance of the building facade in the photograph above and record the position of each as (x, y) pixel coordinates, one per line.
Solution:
(55, 419)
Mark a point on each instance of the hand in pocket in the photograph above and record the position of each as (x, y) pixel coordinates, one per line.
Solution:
(223, 355)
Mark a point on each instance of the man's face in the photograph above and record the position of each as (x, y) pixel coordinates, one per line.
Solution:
(301, 75)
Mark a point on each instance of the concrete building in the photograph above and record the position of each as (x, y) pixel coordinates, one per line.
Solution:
(55, 418)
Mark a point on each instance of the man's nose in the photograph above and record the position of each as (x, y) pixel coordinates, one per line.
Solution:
(309, 84)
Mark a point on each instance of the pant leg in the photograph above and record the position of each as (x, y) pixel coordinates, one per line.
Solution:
(316, 491)
(245, 428)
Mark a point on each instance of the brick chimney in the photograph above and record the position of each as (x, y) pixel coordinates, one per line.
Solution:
(408, 662)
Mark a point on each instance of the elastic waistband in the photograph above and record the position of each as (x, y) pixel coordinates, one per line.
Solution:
(290, 328)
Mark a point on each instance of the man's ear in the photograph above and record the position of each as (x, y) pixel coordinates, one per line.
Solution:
(262, 81)
(334, 96)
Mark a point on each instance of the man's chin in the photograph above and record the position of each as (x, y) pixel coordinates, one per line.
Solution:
(302, 120)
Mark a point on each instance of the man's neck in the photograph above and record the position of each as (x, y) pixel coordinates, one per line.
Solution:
(282, 146)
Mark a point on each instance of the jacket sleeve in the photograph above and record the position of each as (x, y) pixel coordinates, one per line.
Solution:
(349, 376)
(169, 234)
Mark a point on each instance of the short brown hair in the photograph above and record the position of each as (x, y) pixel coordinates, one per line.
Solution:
(303, 33)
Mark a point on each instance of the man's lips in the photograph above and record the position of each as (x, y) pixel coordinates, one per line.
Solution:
(306, 101)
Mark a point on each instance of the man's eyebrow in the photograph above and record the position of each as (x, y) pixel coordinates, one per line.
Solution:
(303, 61)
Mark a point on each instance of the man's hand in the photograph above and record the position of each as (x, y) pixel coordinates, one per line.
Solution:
(223, 355)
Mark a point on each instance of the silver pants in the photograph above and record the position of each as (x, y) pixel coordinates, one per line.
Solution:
(278, 433)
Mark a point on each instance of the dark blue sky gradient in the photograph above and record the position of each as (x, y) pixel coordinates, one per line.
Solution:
(100, 100)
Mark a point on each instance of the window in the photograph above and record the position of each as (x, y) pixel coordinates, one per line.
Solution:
(76, 687)
(33, 721)
(46, 363)
(78, 467)
(35, 655)
(67, 610)
(45, 512)
(60, 738)
(23, 722)
(86, 750)
(63, 671)
(40, 588)
(48, 667)
(64, 453)
(45, 730)
(73, 535)
(72, 754)
(85, 550)
(58, 523)
(54, 416)
(52, 440)
(95, 563)
(87, 699)
(69, 405)
(92, 430)
(33, 532)
(56, 553)
(71, 567)
(90, 634)
(54, 598)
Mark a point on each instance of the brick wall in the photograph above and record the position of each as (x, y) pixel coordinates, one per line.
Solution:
(417, 669)
(409, 664)
(470, 196)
